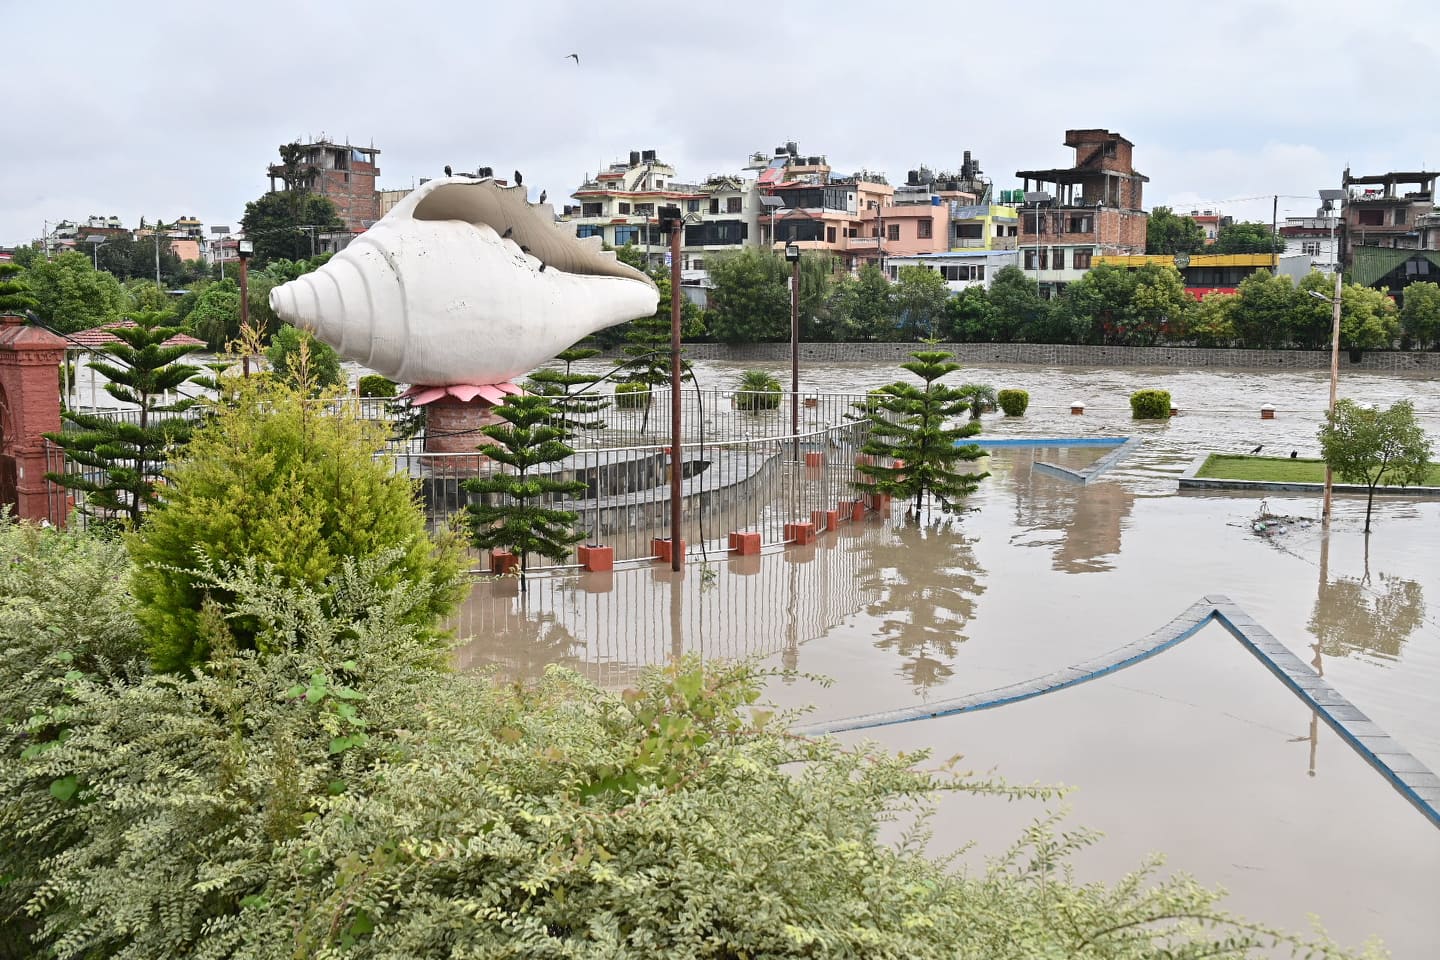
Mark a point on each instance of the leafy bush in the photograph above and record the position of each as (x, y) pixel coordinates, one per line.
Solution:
(1150, 404)
(374, 385)
(297, 357)
(757, 390)
(281, 481)
(1013, 402)
(335, 795)
(632, 396)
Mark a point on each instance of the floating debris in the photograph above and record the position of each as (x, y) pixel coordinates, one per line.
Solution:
(1267, 524)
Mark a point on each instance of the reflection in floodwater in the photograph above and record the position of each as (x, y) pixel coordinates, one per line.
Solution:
(928, 579)
(1362, 616)
(1086, 519)
(608, 626)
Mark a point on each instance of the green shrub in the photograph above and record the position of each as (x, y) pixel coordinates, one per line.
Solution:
(1013, 402)
(336, 795)
(374, 385)
(632, 396)
(296, 356)
(274, 479)
(1150, 404)
(757, 390)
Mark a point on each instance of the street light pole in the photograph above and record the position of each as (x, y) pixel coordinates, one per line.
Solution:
(244, 248)
(792, 253)
(670, 219)
(1335, 303)
(1329, 196)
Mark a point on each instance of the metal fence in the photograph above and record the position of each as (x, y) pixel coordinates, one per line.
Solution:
(758, 486)
(742, 470)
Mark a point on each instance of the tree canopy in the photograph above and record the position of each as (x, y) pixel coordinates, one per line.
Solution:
(749, 296)
(1246, 237)
(1169, 232)
(1367, 445)
(283, 225)
(70, 294)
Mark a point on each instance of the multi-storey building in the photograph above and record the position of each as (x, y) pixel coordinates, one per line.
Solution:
(1391, 229)
(1211, 222)
(343, 173)
(1095, 209)
(1315, 239)
(621, 206)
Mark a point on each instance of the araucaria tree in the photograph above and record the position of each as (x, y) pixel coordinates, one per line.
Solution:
(914, 425)
(513, 512)
(572, 391)
(126, 457)
(1367, 445)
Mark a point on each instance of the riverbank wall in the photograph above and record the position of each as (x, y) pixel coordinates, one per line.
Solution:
(1073, 355)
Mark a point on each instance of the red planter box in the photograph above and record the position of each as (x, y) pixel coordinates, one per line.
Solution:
(814, 458)
(799, 533)
(503, 562)
(744, 543)
(661, 546)
(597, 558)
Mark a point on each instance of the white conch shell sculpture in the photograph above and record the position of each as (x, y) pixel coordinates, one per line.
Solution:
(439, 291)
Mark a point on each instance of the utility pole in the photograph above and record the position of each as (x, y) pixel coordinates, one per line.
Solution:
(158, 225)
(1335, 303)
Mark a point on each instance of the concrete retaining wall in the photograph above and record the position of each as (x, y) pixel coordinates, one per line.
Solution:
(1070, 355)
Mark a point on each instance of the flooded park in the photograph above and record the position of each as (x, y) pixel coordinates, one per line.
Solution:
(1198, 752)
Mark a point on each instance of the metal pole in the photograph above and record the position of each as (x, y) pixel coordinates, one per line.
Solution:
(795, 359)
(1334, 387)
(675, 396)
(245, 313)
(157, 253)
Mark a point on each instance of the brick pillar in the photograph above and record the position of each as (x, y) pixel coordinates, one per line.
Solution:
(29, 408)
(453, 425)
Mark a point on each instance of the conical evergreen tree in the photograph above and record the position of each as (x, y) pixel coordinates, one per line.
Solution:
(572, 391)
(512, 514)
(908, 423)
(129, 456)
(14, 291)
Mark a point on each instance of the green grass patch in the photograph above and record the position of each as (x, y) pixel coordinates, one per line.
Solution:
(1220, 466)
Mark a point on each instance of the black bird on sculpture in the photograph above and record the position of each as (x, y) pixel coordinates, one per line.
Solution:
(506, 234)
(519, 180)
(542, 196)
(447, 170)
(1258, 449)
(542, 267)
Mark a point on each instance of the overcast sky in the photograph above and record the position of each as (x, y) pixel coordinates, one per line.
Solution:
(164, 109)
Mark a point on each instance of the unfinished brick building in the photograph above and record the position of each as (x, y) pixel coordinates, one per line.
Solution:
(1073, 214)
(342, 172)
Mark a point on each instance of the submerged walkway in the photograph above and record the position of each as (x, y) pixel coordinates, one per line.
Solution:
(1415, 782)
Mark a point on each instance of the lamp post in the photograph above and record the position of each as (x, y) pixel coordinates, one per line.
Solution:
(792, 253)
(672, 223)
(1329, 196)
(96, 242)
(245, 248)
(1335, 303)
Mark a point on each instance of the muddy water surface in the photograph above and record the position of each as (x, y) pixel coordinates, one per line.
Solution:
(1198, 752)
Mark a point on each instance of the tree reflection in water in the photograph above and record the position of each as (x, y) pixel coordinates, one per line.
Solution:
(1362, 616)
(521, 634)
(928, 579)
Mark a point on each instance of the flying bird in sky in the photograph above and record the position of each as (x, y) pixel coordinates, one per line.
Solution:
(573, 56)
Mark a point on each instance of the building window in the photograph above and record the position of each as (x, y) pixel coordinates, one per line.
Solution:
(1057, 258)
(692, 206)
(588, 230)
(1030, 259)
(829, 234)
(733, 204)
(1082, 224)
(623, 207)
(1399, 213)
(624, 235)
(924, 229)
(715, 205)
(969, 231)
(1370, 218)
(892, 231)
(1310, 248)
(645, 209)
(697, 264)
(1080, 259)
(592, 209)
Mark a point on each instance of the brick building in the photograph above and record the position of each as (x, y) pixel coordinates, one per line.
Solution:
(1390, 237)
(1092, 208)
(342, 173)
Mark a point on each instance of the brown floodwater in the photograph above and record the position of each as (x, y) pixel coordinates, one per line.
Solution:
(1199, 752)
